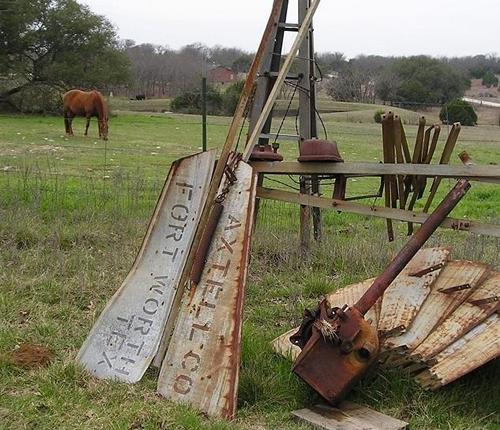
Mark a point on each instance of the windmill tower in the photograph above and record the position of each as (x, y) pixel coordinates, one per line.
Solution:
(303, 81)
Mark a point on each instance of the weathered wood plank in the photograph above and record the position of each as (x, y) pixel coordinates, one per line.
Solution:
(376, 211)
(348, 416)
(201, 366)
(126, 336)
(490, 173)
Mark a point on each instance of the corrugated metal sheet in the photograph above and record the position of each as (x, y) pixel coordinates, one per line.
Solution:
(458, 279)
(347, 295)
(201, 366)
(480, 304)
(126, 336)
(480, 345)
(453, 331)
(404, 297)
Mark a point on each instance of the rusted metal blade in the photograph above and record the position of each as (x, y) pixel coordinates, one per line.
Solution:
(479, 346)
(126, 336)
(434, 142)
(481, 304)
(389, 157)
(419, 155)
(201, 365)
(404, 297)
(445, 159)
(398, 146)
(346, 295)
(411, 181)
(419, 142)
(422, 183)
(438, 305)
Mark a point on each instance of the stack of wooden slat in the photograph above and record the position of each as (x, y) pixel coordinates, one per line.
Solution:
(438, 320)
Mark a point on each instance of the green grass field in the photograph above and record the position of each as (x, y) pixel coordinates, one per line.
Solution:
(72, 216)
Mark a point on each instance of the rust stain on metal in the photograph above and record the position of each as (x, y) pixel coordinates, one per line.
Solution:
(439, 305)
(404, 297)
(348, 294)
(468, 315)
(479, 346)
(201, 366)
(341, 348)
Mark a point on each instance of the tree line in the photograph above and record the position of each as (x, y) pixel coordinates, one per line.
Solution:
(406, 80)
(49, 46)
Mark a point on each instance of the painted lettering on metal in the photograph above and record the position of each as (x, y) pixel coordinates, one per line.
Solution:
(126, 336)
(202, 360)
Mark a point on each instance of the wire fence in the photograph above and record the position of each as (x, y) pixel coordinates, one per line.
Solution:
(115, 168)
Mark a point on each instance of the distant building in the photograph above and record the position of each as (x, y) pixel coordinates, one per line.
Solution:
(221, 75)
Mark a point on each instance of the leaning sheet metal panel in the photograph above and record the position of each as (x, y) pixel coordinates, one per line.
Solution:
(458, 279)
(480, 304)
(201, 365)
(125, 337)
(347, 295)
(480, 345)
(404, 297)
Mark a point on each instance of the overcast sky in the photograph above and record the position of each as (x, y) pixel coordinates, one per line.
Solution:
(433, 27)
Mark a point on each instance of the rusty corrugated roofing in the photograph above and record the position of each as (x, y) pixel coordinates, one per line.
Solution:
(458, 279)
(480, 345)
(480, 304)
(404, 297)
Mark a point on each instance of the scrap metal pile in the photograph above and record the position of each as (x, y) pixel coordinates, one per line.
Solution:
(437, 320)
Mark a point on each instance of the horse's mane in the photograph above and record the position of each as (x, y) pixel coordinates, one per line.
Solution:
(101, 107)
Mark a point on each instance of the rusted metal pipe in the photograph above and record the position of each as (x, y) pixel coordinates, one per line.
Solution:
(411, 248)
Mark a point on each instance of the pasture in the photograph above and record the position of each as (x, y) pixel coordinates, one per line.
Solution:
(73, 212)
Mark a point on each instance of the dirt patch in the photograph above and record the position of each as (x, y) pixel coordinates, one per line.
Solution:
(30, 356)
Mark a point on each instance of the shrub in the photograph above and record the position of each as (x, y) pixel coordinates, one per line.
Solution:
(217, 103)
(231, 97)
(458, 111)
(190, 102)
(490, 80)
(377, 117)
(40, 99)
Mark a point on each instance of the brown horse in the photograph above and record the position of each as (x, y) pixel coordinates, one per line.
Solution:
(87, 104)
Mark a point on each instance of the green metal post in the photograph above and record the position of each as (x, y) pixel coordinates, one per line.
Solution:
(204, 112)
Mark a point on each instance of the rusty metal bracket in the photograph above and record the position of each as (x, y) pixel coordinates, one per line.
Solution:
(485, 301)
(454, 289)
(427, 270)
(461, 225)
